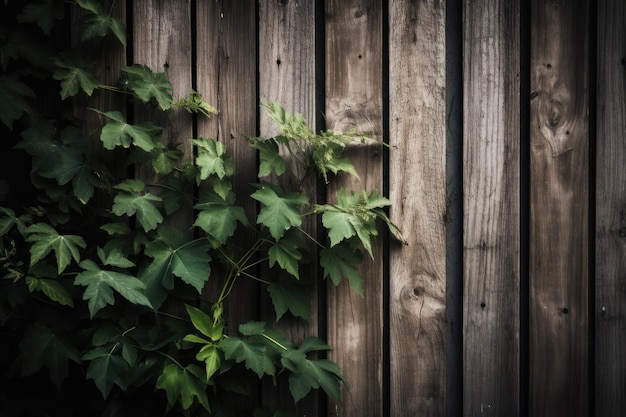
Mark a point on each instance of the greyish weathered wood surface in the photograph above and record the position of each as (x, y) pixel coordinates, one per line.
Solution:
(417, 185)
(559, 209)
(491, 174)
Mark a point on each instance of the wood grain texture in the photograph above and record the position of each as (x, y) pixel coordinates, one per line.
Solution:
(162, 41)
(610, 260)
(226, 60)
(354, 101)
(417, 187)
(287, 76)
(559, 191)
(491, 241)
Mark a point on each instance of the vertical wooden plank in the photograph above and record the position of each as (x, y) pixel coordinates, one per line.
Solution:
(559, 178)
(287, 76)
(491, 241)
(227, 78)
(226, 59)
(354, 101)
(162, 41)
(610, 372)
(417, 184)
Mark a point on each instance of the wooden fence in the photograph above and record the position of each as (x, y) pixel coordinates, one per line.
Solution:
(506, 170)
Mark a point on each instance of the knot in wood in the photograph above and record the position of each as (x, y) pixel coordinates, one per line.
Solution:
(555, 113)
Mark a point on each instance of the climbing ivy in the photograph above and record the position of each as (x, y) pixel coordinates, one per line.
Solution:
(92, 270)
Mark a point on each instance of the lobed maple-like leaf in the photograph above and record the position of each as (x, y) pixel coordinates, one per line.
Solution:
(352, 215)
(74, 78)
(291, 296)
(101, 283)
(213, 159)
(286, 252)
(145, 136)
(252, 353)
(99, 25)
(131, 200)
(176, 255)
(148, 85)
(218, 217)
(43, 347)
(307, 374)
(64, 162)
(8, 220)
(106, 369)
(341, 261)
(281, 210)
(46, 240)
(183, 385)
(269, 157)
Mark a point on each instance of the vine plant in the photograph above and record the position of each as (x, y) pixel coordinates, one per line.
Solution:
(89, 263)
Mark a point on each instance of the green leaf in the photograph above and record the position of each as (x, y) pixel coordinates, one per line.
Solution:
(147, 85)
(64, 162)
(204, 324)
(74, 77)
(281, 211)
(13, 96)
(218, 219)
(178, 255)
(93, 6)
(146, 135)
(10, 219)
(114, 257)
(183, 385)
(290, 296)
(195, 104)
(269, 157)
(328, 156)
(307, 374)
(99, 25)
(341, 261)
(253, 354)
(43, 12)
(213, 159)
(101, 283)
(287, 253)
(131, 201)
(46, 240)
(351, 216)
(106, 370)
(210, 355)
(42, 347)
(166, 160)
(51, 288)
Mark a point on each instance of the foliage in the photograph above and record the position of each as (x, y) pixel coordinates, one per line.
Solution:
(108, 305)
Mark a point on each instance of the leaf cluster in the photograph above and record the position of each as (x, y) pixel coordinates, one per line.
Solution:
(96, 266)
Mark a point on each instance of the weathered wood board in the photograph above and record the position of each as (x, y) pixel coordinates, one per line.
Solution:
(610, 259)
(491, 204)
(226, 57)
(287, 76)
(354, 101)
(559, 209)
(160, 44)
(417, 189)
